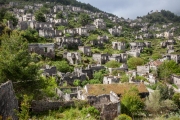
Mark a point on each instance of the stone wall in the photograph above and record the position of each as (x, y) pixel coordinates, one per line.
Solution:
(109, 111)
(39, 106)
(101, 99)
(108, 105)
(8, 101)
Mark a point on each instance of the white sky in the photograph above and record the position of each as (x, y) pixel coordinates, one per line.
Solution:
(133, 8)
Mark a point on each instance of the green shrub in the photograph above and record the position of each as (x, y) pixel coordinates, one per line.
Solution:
(123, 117)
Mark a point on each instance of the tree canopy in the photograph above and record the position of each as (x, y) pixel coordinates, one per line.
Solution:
(131, 102)
(5, 15)
(39, 16)
(134, 62)
(15, 61)
(84, 19)
(113, 64)
(167, 68)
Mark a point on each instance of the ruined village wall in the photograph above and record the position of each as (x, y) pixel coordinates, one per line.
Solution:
(110, 111)
(108, 105)
(39, 106)
(8, 101)
(97, 100)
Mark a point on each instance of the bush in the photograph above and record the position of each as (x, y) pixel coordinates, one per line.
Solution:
(63, 66)
(123, 117)
(92, 111)
(134, 62)
(113, 64)
(24, 113)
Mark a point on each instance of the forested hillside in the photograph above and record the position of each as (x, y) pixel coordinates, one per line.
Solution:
(163, 16)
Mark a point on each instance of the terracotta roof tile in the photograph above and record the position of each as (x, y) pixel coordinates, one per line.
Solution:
(156, 63)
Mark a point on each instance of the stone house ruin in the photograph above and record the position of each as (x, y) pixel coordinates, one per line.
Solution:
(21, 25)
(140, 37)
(168, 42)
(170, 49)
(103, 58)
(68, 42)
(82, 31)
(111, 79)
(99, 23)
(137, 46)
(107, 104)
(122, 57)
(176, 58)
(44, 49)
(100, 41)
(91, 69)
(123, 68)
(90, 27)
(47, 33)
(28, 17)
(69, 78)
(41, 25)
(143, 70)
(49, 71)
(67, 93)
(86, 50)
(116, 31)
(72, 57)
(168, 34)
(76, 9)
(100, 58)
(119, 45)
(151, 78)
(71, 32)
(154, 64)
(175, 79)
(134, 53)
(60, 22)
(58, 8)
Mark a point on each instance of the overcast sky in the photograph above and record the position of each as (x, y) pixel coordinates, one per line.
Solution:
(133, 8)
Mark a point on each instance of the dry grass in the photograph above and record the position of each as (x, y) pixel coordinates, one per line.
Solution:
(98, 89)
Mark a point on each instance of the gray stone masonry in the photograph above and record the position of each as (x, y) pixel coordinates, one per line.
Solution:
(115, 30)
(69, 78)
(58, 8)
(168, 42)
(175, 79)
(175, 57)
(137, 45)
(46, 50)
(67, 93)
(72, 57)
(23, 25)
(99, 23)
(91, 69)
(111, 79)
(40, 106)
(49, 70)
(143, 70)
(82, 31)
(8, 101)
(86, 50)
(101, 58)
(108, 105)
(68, 42)
(118, 45)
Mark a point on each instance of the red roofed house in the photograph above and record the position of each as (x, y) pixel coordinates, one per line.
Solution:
(154, 64)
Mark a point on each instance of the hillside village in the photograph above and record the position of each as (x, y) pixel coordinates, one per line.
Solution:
(97, 56)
